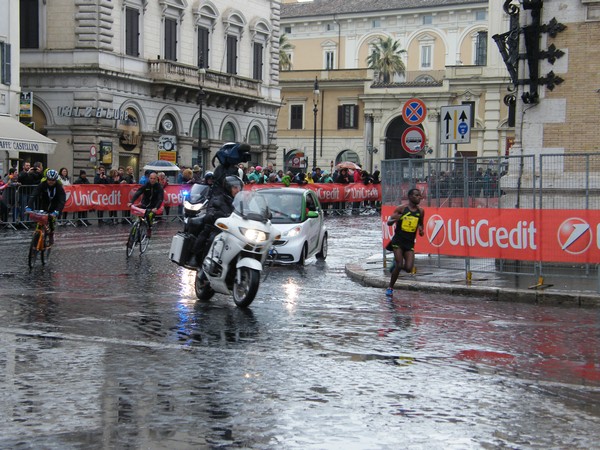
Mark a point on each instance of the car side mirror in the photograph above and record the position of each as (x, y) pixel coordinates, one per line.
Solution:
(312, 215)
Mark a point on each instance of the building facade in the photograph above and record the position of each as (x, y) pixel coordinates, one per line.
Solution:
(126, 82)
(450, 60)
(560, 113)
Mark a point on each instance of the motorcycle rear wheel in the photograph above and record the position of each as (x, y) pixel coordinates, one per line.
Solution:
(202, 286)
(245, 290)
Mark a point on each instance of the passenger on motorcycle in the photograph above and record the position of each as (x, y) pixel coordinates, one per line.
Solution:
(220, 205)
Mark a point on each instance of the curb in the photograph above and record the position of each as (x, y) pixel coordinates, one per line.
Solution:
(357, 273)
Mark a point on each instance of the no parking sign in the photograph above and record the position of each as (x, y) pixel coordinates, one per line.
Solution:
(414, 111)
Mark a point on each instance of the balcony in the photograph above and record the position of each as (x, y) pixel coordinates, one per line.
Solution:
(181, 82)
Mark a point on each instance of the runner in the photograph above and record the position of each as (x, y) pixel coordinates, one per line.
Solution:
(408, 220)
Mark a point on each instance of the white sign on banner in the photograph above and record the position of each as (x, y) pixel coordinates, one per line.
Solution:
(455, 122)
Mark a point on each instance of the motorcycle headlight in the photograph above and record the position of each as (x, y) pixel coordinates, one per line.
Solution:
(193, 206)
(293, 232)
(254, 235)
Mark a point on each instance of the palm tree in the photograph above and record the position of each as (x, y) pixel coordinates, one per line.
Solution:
(386, 59)
(285, 47)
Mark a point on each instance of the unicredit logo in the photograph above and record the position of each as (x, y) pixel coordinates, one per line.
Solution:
(574, 236)
(436, 231)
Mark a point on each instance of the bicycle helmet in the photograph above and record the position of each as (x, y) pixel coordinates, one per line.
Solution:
(231, 181)
(52, 175)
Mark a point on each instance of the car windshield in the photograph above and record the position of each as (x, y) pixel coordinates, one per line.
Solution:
(199, 192)
(285, 207)
(251, 205)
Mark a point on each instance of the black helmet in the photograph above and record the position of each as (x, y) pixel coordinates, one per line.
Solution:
(231, 181)
(208, 175)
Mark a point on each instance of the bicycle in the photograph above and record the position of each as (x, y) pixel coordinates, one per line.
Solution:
(138, 234)
(42, 239)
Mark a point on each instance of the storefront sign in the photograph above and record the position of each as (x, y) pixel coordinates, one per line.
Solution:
(87, 112)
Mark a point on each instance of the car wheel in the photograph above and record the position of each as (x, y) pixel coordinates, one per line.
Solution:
(323, 253)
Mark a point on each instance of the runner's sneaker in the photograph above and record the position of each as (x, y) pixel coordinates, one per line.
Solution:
(389, 292)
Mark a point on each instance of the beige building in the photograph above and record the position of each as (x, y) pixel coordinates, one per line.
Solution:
(118, 82)
(450, 60)
(564, 120)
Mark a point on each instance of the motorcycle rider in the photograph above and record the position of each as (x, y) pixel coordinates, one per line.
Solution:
(220, 205)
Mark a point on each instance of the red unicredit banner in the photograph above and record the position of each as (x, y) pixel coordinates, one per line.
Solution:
(333, 192)
(114, 197)
(521, 234)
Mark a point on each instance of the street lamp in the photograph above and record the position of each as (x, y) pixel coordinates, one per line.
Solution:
(201, 94)
(315, 110)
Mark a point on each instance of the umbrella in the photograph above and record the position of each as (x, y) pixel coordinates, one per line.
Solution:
(161, 166)
(348, 165)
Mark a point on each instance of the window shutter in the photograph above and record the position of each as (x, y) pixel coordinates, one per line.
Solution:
(29, 24)
(5, 63)
(355, 117)
(340, 117)
(203, 47)
(231, 54)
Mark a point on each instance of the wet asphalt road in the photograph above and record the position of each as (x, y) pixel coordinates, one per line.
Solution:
(100, 351)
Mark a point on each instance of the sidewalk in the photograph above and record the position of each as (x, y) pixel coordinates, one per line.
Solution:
(556, 290)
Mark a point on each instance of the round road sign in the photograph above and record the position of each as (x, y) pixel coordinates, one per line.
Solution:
(413, 140)
(414, 111)
(93, 151)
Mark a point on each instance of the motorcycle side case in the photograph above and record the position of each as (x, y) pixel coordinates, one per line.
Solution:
(181, 248)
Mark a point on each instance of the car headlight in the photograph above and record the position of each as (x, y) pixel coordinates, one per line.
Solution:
(293, 232)
(254, 235)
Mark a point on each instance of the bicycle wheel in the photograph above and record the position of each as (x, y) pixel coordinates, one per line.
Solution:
(45, 252)
(144, 238)
(133, 237)
(33, 251)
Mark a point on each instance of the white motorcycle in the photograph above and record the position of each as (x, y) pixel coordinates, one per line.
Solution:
(236, 257)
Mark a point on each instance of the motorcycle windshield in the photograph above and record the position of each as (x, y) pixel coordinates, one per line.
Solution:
(198, 193)
(251, 205)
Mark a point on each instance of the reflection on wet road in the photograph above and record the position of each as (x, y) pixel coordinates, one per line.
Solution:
(101, 351)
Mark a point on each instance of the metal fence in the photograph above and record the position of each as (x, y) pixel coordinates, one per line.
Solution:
(557, 181)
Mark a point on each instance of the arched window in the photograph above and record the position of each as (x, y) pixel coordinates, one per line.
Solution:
(348, 155)
(254, 137)
(204, 130)
(228, 134)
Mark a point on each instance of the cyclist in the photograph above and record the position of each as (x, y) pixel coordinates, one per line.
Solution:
(152, 194)
(49, 196)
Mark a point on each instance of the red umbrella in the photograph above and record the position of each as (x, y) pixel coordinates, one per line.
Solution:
(348, 165)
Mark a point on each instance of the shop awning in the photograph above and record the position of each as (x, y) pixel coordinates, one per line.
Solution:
(18, 137)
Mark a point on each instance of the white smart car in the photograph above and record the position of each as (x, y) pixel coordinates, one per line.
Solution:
(298, 215)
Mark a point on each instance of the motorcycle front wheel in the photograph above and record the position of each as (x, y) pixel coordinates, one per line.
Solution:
(203, 290)
(245, 286)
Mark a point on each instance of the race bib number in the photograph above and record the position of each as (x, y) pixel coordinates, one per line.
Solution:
(410, 224)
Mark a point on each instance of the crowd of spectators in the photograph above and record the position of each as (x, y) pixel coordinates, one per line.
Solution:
(31, 175)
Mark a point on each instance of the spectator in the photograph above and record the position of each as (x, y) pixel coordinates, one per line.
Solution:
(164, 182)
(325, 177)
(287, 179)
(24, 174)
(63, 178)
(256, 176)
(114, 178)
(188, 176)
(197, 174)
(101, 178)
(316, 175)
(144, 178)
(82, 215)
(343, 177)
(128, 177)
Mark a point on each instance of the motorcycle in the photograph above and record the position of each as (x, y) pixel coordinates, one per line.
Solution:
(195, 203)
(238, 253)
